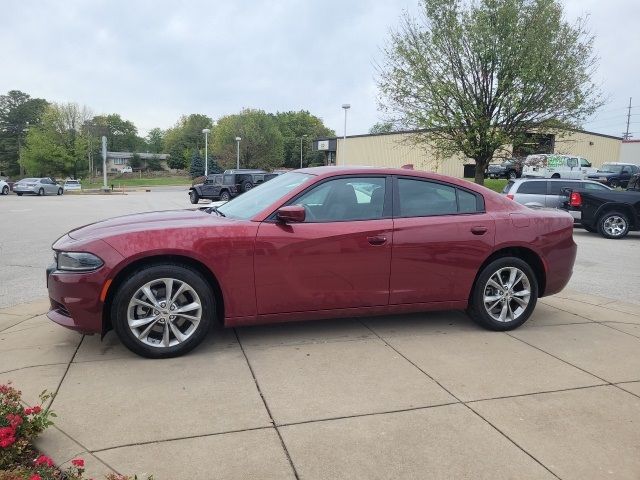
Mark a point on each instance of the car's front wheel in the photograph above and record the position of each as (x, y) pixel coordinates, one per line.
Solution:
(504, 295)
(19, 194)
(613, 225)
(60, 191)
(41, 192)
(5, 190)
(194, 197)
(224, 196)
(163, 310)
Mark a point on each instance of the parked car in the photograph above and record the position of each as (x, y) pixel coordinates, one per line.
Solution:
(306, 246)
(37, 186)
(510, 168)
(228, 185)
(556, 166)
(615, 174)
(71, 185)
(4, 188)
(126, 169)
(613, 214)
(547, 193)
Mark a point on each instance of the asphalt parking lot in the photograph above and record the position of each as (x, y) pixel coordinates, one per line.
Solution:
(412, 396)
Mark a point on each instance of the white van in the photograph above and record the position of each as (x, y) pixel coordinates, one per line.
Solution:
(556, 166)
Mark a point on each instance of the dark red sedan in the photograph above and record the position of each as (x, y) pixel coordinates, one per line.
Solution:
(311, 244)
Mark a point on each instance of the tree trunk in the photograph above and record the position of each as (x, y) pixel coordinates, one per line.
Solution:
(481, 164)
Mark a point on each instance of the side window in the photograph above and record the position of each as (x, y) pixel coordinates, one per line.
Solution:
(594, 186)
(533, 188)
(626, 170)
(555, 188)
(468, 202)
(422, 198)
(584, 163)
(572, 162)
(344, 199)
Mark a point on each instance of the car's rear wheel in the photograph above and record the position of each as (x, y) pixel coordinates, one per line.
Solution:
(613, 225)
(504, 295)
(225, 196)
(163, 311)
(5, 190)
(555, 175)
(60, 191)
(614, 183)
(194, 197)
(246, 186)
(41, 192)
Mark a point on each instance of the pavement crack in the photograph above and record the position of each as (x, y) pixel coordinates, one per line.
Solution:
(266, 406)
(64, 375)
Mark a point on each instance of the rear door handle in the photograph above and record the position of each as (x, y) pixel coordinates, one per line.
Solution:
(479, 230)
(377, 240)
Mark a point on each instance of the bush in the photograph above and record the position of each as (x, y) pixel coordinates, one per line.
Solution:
(154, 163)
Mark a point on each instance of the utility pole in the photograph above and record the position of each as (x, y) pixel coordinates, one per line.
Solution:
(626, 135)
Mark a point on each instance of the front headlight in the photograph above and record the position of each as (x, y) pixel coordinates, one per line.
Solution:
(77, 261)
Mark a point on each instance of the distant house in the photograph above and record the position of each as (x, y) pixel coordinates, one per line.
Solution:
(116, 161)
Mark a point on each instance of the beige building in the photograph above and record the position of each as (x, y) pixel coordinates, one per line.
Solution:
(398, 149)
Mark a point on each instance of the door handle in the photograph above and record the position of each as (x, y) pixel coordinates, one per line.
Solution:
(479, 230)
(377, 240)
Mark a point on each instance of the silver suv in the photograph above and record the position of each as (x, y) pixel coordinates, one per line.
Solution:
(547, 192)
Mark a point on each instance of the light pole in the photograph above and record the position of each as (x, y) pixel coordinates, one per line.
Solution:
(346, 107)
(206, 132)
(302, 137)
(238, 152)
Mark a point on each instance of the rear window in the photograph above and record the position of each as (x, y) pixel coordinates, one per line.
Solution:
(594, 186)
(555, 188)
(508, 186)
(533, 188)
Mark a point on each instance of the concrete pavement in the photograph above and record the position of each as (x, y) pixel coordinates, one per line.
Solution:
(413, 396)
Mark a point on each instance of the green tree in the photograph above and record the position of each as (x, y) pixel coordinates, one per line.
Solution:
(155, 140)
(154, 163)
(180, 140)
(197, 165)
(58, 144)
(382, 127)
(296, 127)
(18, 112)
(475, 77)
(135, 162)
(261, 145)
(122, 135)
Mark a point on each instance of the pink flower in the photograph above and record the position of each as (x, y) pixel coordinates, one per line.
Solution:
(14, 420)
(7, 442)
(35, 476)
(44, 460)
(37, 409)
(78, 462)
(7, 432)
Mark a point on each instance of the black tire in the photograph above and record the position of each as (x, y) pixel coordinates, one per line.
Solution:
(194, 197)
(613, 225)
(555, 175)
(512, 175)
(477, 310)
(224, 196)
(127, 290)
(590, 229)
(41, 192)
(60, 191)
(19, 194)
(5, 190)
(614, 183)
(246, 186)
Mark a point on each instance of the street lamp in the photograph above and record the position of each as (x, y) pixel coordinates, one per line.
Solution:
(206, 132)
(238, 152)
(303, 136)
(346, 107)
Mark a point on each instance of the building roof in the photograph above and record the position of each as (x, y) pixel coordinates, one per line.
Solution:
(142, 155)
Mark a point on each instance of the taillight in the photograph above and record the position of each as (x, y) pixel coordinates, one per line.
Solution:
(510, 196)
(575, 200)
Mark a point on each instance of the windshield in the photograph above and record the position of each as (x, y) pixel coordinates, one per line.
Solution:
(608, 168)
(260, 197)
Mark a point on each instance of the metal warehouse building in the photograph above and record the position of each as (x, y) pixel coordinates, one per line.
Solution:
(397, 149)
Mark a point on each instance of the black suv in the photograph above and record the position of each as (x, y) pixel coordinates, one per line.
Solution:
(510, 168)
(227, 185)
(615, 174)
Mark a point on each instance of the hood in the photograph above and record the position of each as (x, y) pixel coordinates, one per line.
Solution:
(145, 221)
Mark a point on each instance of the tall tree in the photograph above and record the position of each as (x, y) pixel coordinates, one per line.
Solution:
(186, 135)
(476, 76)
(18, 112)
(122, 135)
(382, 127)
(301, 128)
(58, 144)
(261, 145)
(155, 140)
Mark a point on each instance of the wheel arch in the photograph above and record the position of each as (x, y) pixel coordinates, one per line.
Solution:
(532, 258)
(175, 259)
(618, 207)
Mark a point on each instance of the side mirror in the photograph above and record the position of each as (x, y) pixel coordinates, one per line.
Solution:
(291, 214)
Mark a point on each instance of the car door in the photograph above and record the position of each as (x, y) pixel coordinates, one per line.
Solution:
(339, 257)
(441, 235)
(52, 186)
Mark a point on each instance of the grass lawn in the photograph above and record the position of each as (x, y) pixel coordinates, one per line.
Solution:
(136, 182)
(495, 184)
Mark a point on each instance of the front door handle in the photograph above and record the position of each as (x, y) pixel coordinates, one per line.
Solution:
(377, 240)
(479, 230)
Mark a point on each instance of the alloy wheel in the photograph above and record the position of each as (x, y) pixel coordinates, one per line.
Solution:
(614, 225)
(507, 294)
(164, 312)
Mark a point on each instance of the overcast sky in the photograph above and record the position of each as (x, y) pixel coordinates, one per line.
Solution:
(152, 61)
